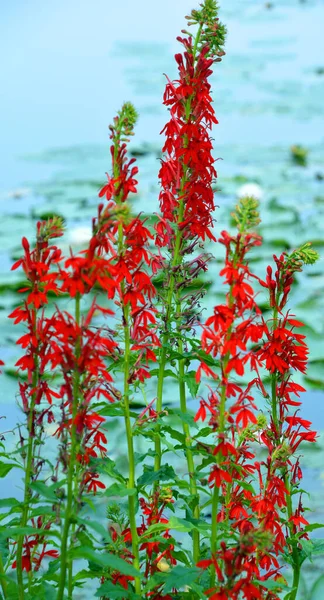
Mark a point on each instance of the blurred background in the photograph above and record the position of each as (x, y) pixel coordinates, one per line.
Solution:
(67, 67)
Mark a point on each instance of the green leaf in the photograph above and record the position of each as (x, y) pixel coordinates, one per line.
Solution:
(112, 410)
(4, 502)
(312, 548)
(184, 417)
(119, 489)
(48, 492)
(166, 473)
(12, 591)
(188, 524)
(13, 532)
(108, 466)
(313, 526)
(111, 591)
(97, 527)
(180, 524)
(179, 575)
(205, 432)
(43, 590)
(272, 585)
(193, 386)
(105, 560)
(307, 547)
(176, 435)
(246, 486)
(5, 468)
(166, 373)
(318, 546)
(84, 574)
(84, 539)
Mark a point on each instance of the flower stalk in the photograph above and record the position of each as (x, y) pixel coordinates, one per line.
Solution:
(66, 562)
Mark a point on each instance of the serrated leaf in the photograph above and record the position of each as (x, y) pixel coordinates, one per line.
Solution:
(105, 560)
(185, 417)
(180, 524)
(119, 489)
(108, 466)
(193, 386)
(178, 576)
(176, 435)
(166, 473)
(47, 492)
(318, 547)
(110, 410)
(166, 373)
(84, 539)
(84, 574)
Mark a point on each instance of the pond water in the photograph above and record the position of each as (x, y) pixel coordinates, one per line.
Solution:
(73, 64)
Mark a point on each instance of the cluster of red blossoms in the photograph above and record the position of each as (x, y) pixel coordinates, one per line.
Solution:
(35, 548)
(187, 169)
(76, 347)
(237, 336)
(130, 281)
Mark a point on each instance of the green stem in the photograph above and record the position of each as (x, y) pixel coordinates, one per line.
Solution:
(130, 447)
(131, 484)
(294, 544)
(163, 353)
(29, 473)
(70, 567)
(189, 456)
(65, 561)
(215, 500)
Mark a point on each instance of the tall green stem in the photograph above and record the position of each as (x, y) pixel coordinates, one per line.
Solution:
(130, 449)
(189, 456)
(69, 509)
(128, 427)
(163, 353)
(215, 499)
(294, 544)
(29, 472)
(131, 460)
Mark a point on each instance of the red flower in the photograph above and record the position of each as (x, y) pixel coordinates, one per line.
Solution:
(218, 476)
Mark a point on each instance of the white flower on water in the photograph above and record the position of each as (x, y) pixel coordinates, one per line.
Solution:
(250, 190)
(80, 235)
